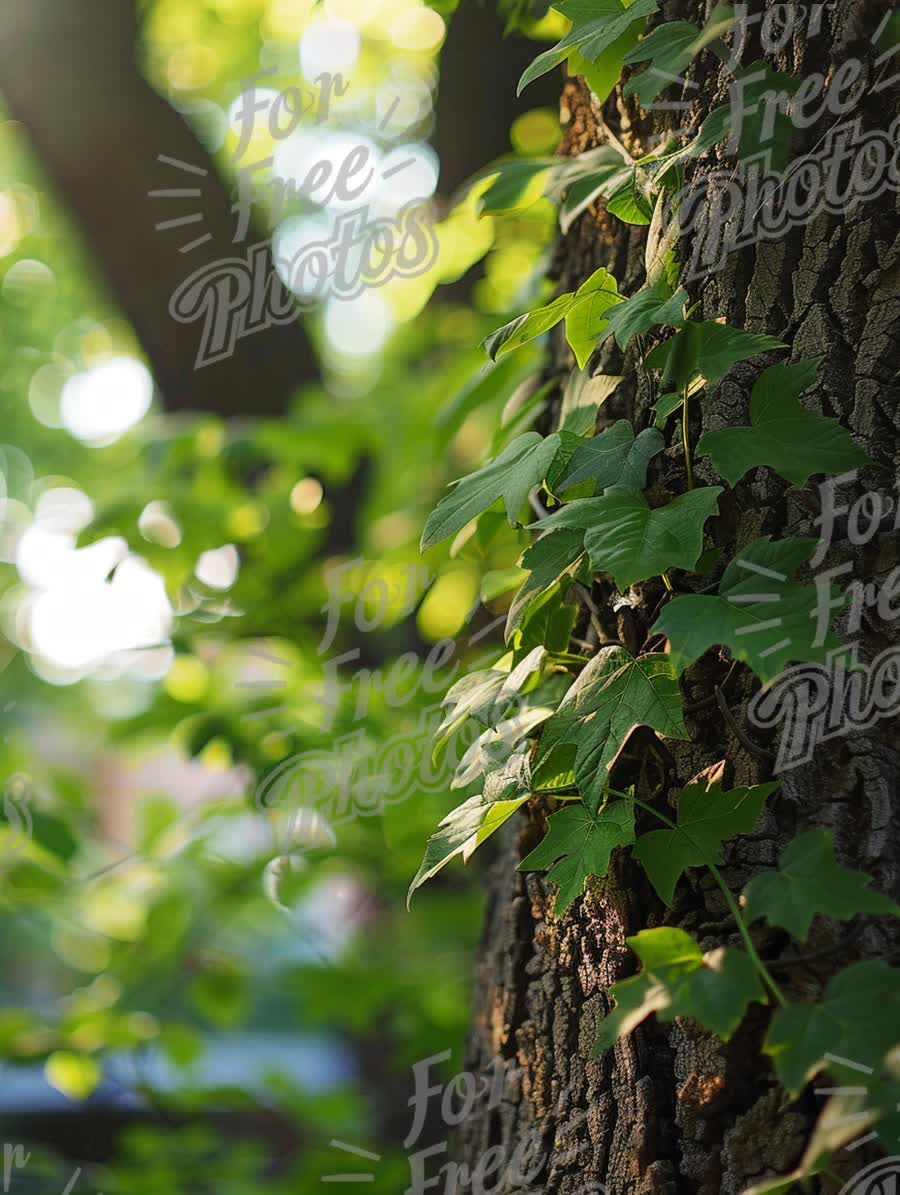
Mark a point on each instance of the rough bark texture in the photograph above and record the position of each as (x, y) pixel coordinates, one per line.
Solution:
(671, 1110)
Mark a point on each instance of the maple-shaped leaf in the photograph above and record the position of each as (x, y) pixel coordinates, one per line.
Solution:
(586, 318)
(643, 311)
(707, 817)
(546, 562)
(526, 327)
(809, 881)
(679, 980)
(578, 844)
(706, 348)
(760, 614)
(856, 1018)
(784, 435)
(521, 466)
(615, 457)
(670, 48)
(596, 24)
(464, 829)
(614, 694)
(629, 540)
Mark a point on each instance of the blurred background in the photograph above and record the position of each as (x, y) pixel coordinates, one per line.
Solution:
(210, 579)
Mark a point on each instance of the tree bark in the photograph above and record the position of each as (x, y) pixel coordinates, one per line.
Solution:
(671, 1110)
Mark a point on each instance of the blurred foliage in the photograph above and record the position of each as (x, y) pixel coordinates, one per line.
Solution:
(155, 907)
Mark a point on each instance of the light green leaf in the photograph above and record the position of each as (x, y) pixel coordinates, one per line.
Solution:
(579, 844)
(584, 191)
(856, 1018)
(614, 694)
(782, 434)
(546, 561)
(596, 24)
(75, 1075)
(499, 581)
(629, 541)
(709, 349)
(762, 616)
(615, 457)
(603, 73)
(518, 469)
(463, 830)
(678, 980)
(632, 202)
(526, 327)
(809, 881)
(585, 319)
(483, 695)
(515, 184)
(644, 311)
(707, 817)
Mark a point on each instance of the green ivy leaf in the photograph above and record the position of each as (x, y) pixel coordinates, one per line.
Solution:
(596, 24)
(709, 349)
(679, 980)
(809, 881)
(629, 541)
(707, 817)
(631, 202)
(546, 561)
(514, 183)
(464, 829)
(782, 434)
(670, 48)
(520, 467)
(856, 1018)
(578, 844)
(643, 311)
(548, 624)
(483, 695)
(584, 191)
(586, 318)
(615, 457)
(763, 617)
(527, 327)
(614, 694)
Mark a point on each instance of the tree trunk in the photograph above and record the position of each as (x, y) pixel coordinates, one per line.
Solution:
(670, 1109)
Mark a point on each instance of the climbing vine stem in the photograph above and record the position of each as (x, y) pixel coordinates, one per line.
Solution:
(733, 906)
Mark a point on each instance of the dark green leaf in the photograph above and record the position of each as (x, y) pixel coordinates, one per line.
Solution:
(578, 844)
(782, 434)
(614, 694)
(809, 881)
(856, 1019)
(707, 817)
(761, 615)
(615, 457)
(596, 24)
(520, 467)
(708, 349)
(546, 561)
(644, 311)
(629, 541)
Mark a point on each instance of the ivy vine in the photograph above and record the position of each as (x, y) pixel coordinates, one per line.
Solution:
(554, 723)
